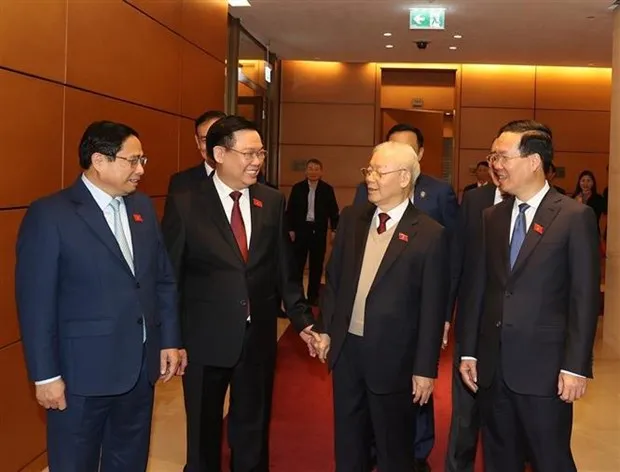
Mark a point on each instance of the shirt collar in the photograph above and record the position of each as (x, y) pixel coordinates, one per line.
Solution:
(208, 168)
(535, 201)
(395, 213)
(102, 198)
(224, 190)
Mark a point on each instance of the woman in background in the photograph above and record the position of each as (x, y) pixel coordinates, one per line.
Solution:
(586, 193)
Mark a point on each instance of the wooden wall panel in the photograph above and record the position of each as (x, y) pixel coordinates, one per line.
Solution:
(497, 86)
(205, 23)
(158, 133)
(401, 96)
(145, 70)
(202, 81)
(573, 88)
(23, 437)
(577, 131)
(9, 222)
(328, 82)
(574, 163)
(332, 124)
(341, 164)
(480, 125)
(168, 12)
(31, 137)
(189, 155)
(31, 31)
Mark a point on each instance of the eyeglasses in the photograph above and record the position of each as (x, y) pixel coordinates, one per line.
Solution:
(369, 171)
(133, 161)
(500, 158)
(249, 155)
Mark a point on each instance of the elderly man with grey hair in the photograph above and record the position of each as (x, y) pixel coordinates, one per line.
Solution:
(382, 315)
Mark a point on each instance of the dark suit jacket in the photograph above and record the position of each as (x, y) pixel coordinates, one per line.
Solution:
(325, 206)
(404, 308)
(466, 249)
(187, 179)
(217, 288)
(469, 187)
(540, 317)
(80, 307)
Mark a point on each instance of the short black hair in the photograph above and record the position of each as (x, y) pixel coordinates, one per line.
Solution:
(400, 127)
(483, 164)
(208, 116)
(521, 126)
(104, 137)
(222, 133)
(551, 168)
(314, 161)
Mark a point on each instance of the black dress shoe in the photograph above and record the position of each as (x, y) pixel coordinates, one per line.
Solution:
(421, 465)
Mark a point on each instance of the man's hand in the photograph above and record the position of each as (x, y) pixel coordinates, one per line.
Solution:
(469, 374)
(323, 347)
(182, 362)
(51, 396)
(169, 363)
(422, 389)
(292, 235)
(311, 338)
(446, 331)
(571, 387)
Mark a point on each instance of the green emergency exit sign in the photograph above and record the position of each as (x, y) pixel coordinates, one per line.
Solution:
(427, 18)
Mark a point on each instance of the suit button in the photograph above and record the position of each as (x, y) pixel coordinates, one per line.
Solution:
(498, 324)
(137, 284)
(243, 303)
(140, 321)
(507, 294)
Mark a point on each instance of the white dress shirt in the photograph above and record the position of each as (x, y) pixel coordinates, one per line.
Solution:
(224, 192)
(498, 196)
(533, 203)
(311, 199)
(103, 201)
(209, 169)
(395, 215)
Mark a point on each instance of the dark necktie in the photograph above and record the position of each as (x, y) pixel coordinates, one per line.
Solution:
(237, 225)
(518, 234)
(383, 219)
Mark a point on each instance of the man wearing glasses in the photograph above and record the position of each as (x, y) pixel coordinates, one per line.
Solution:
(232, 255)
(97, 306)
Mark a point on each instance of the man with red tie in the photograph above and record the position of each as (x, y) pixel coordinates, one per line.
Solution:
(232, 255)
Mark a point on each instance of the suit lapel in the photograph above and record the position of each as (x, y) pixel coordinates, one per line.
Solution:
(210, 200)
(403, 235)
(543, 218)
(92, 215)
(138, 233)
(501, 226)
(361, 236)
(257, 212)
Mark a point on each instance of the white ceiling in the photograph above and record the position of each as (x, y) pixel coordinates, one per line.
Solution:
(543, 32)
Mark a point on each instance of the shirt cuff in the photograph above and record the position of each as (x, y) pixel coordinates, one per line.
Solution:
(468, 358)
(43, 382)
(572, 373)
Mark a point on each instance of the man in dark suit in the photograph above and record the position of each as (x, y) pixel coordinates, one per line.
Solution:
(482, 176)
(229, 246)
(96, 300)
(311, 205)
(194, 175)
(531, 312)
(383, 314)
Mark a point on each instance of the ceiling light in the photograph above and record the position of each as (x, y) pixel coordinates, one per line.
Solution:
(239, 3)
(457, 36)
(389, 46)
(453, 48)
(387, 35)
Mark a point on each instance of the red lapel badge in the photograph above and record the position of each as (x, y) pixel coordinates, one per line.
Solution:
(539, 229)
(403, 237)
(137, 217)
(257, 203)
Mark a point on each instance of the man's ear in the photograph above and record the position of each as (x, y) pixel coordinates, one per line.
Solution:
(97, 159)
(218, 154)
(420, 154)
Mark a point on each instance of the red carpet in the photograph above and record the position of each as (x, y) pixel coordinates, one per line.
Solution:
(302, 421)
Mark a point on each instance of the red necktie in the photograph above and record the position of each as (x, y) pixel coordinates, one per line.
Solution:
(238, 227)
(383, 218)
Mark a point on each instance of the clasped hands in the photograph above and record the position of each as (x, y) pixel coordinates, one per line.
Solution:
(318, 343)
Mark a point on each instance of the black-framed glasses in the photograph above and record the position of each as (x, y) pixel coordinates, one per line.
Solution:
(369, 171)
(133, 161)
(249, 155)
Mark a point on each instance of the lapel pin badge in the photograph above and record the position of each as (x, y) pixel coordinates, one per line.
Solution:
(403, 237)
(137, 217)
(539, 229)
(422, 194)
(257, 203)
